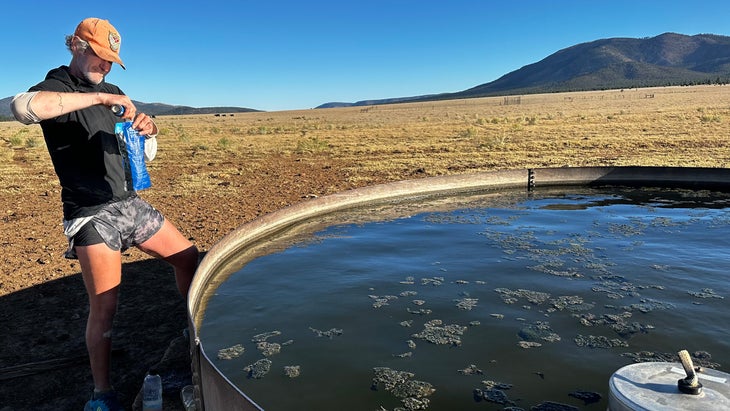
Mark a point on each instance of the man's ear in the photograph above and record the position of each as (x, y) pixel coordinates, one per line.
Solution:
(76, 45)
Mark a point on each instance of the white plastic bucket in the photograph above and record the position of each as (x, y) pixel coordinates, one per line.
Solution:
(652, 386)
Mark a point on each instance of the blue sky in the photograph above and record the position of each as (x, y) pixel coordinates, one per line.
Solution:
(285, 55)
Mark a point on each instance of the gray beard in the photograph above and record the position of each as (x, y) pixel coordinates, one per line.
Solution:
(87, 77)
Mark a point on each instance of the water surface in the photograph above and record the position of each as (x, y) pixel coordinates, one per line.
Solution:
(539, 297)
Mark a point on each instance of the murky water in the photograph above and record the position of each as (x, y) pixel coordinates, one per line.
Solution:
(512, 300)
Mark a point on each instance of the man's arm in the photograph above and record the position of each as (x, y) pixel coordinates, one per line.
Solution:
(35, 106)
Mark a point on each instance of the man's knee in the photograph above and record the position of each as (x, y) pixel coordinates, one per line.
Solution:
(186, 259)
(103, 306)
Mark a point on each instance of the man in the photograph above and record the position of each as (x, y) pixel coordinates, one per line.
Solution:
(103, 215)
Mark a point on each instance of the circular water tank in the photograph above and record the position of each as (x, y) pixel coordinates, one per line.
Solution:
(652, 386)
(214, 391)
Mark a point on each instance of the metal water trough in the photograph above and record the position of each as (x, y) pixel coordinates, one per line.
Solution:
(215, 392)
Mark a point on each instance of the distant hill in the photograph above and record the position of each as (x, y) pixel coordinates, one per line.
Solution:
(615, 63)
(156, 109)
(160, 109)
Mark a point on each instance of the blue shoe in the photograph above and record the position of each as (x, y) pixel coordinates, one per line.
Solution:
(106, 401)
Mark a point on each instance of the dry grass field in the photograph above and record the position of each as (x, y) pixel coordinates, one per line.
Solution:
(680, 126)
(214, 173)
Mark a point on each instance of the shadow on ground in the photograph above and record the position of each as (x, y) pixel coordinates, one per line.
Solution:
(43, 362)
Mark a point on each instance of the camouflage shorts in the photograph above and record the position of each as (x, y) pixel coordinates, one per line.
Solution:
(119, 225)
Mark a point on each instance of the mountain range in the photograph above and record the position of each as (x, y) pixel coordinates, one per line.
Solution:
(615, 63)
(668, 59)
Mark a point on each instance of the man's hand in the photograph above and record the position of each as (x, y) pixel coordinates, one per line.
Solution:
(144, 125)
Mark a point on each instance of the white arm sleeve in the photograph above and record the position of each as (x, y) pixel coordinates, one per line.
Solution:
(20, 106)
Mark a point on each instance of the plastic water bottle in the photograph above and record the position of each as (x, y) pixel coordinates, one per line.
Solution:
(152, 392)
(187, 394)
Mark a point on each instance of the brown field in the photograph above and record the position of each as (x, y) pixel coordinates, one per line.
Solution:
(214, 173)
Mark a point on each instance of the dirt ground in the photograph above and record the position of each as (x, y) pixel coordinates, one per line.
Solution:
(43, 305)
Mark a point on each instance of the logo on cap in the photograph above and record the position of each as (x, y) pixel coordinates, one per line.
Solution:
(114, 41)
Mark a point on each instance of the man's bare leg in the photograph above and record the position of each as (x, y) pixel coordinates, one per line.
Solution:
(101, 268)
(170, 245)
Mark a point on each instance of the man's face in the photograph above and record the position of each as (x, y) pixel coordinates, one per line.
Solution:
(92, 67)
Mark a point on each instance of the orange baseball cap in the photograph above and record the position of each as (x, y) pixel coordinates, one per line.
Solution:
(103, 38)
